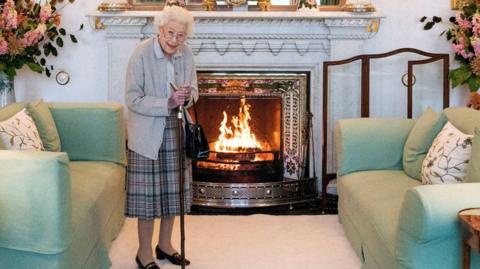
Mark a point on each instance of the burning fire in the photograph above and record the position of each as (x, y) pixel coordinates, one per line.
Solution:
(239, 137)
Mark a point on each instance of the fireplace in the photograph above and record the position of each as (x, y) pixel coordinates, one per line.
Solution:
(257, 127)
(255, 42)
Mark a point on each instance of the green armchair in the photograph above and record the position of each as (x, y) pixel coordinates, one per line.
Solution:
(63, 209)
(391, 219)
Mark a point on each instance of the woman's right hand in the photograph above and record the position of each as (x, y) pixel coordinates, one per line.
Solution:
(178, 98)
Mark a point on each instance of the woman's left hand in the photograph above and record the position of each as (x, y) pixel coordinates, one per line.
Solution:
(187, 91)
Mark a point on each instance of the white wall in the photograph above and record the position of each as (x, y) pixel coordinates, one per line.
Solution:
(86, 61)
(401, 28)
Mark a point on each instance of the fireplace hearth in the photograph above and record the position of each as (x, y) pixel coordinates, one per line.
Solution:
(257, 128)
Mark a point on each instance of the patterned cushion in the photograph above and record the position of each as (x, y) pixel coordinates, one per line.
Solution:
(20, 133)
(7, 112)
(448, 157)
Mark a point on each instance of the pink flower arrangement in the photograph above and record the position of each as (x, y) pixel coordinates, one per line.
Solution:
(29, 33)
(464, 33)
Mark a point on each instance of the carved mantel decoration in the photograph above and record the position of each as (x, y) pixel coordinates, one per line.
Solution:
(248, 41)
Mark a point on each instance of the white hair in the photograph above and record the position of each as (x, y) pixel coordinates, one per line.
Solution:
(174, 13)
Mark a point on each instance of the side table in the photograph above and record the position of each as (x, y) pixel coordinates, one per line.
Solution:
(470, 222)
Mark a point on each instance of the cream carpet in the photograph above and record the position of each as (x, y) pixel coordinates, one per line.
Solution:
(250, 242)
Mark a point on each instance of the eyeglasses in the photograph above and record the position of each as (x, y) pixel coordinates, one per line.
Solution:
(170, 35)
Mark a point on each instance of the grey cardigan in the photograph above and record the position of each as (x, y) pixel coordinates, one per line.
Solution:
(146, 94)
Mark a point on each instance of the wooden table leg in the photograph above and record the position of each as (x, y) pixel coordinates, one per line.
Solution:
(466, 255)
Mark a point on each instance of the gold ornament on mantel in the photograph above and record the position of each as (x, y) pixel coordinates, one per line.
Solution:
(179, 3)
(235, 3)
(209, 5)
(113, 6)
(264, 5)
(358, 6)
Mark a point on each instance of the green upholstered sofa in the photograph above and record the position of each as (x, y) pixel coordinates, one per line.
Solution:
(391, 219)
(63, 209)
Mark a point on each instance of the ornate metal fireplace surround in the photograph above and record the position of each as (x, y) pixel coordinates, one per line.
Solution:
(252, 186)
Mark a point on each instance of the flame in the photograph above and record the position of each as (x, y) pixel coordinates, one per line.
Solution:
(237, 138)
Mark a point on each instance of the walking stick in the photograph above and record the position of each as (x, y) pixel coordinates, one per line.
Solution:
(181, 180)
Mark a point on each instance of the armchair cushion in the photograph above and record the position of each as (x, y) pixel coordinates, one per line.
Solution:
(93, 132)
(464, 118)
(419, 141)
(473, 170)
(372, 212)
(370, 144)
(97, 209)
(10, 110)
(46, 126)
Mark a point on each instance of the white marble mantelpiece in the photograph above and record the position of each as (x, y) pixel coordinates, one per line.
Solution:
(342, 25)
(249, 41)
(256, 15)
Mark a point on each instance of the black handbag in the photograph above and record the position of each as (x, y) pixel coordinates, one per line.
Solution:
(196, 144)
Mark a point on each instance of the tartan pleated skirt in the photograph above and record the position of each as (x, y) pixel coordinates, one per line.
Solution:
(152, 185)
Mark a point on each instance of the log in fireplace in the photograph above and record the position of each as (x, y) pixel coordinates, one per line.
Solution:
(258, 129)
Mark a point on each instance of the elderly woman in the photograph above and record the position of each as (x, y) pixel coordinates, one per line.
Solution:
(152, 174)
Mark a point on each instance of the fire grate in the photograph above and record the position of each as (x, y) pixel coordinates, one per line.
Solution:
(243, 167)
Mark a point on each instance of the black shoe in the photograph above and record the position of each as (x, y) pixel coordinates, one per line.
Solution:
(175, 258)
(151, 265)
